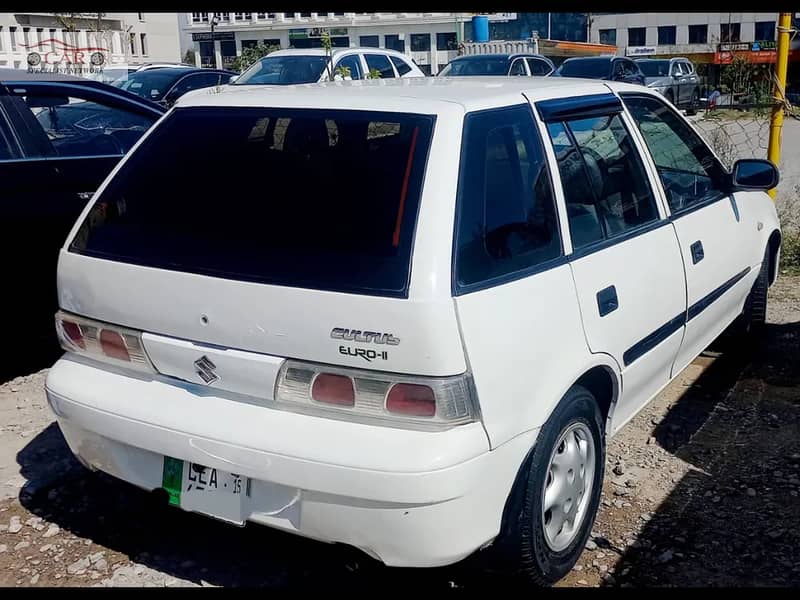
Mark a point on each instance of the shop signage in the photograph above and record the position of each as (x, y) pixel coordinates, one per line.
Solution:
(640, 50)
(207, 36)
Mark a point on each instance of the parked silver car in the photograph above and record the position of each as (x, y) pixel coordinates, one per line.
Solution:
(675, 78)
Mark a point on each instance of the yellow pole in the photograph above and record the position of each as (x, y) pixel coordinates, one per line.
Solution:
(779, 87)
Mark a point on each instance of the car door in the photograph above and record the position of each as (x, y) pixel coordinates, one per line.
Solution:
(625, 258)
(617, 70)
(720, 249)
(187, 83)
(70, 137)
(676, 74)
(688, 81)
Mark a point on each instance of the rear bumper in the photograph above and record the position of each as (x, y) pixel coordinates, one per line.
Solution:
(408, 498)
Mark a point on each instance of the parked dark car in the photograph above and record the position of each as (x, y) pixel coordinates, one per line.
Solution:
(166, 84)
(613, 68)
(477, 65)
(59, 138)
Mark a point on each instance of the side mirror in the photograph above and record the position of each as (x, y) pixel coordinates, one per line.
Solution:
(754, 174)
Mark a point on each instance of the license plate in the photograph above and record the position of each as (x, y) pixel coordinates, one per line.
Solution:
(205, 490)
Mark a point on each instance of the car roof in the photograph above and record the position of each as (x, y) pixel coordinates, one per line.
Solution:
(334, 51)
(416, 95)
(499, 56)
(592, 58)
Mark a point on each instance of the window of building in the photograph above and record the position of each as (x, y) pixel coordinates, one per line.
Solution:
(666, 35)
(393, 42)
(141, 17)
(446, 41)
(289, 15)
(369, 41)
(420, 42)
(637, 36)
(199, 17)
(305, 15)
(339, 14)
(13, 33)
(223, 16)
(765, 31)
(608, 36)
(730, 32)
(319, 14)
(506, 210)
(242, 16)
(698, 34)
(132, 41)
(143, 43)
(249, 44)
(605, 185)
(272, 42)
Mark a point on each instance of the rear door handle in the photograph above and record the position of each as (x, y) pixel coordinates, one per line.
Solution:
(697, 252)
(607, 301)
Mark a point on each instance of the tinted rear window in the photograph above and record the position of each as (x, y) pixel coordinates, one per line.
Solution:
(303, 198)
(593, 69)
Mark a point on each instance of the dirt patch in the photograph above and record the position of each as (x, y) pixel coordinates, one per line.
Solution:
(701, 489)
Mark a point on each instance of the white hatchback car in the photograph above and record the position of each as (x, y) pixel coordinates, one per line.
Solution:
(412, 321)
(296, 66)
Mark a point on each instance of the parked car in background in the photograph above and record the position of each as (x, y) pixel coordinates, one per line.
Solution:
(421, 360)
(288, 67)
(499, 65)
(611, 68)
(674, 78)
(59, 138)
(165, 84)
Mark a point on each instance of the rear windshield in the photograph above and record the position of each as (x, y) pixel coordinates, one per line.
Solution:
(284, 70)
(654, 68)
(303, 198)
(476, 67)
(593, 69)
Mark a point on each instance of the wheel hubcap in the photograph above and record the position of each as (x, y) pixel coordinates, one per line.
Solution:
(568, 486)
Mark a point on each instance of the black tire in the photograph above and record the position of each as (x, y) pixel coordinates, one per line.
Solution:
(523, 544)
(754, 315)
(694, 103)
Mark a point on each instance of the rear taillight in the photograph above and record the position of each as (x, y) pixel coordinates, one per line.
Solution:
(383, 398)
(411, 399)
(333, 389)
(101, 340)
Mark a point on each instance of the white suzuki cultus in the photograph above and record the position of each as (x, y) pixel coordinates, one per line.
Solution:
(413, 314)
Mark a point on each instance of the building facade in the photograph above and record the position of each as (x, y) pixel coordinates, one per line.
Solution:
(431, 39)
(705, 38)
(68, 39)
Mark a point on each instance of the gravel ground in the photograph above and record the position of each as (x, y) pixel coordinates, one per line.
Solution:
(701, 489)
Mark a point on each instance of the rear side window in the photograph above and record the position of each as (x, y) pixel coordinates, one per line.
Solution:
(507, 220)
(381, 63)
(401, 65)
(605, 185)
(321, 199)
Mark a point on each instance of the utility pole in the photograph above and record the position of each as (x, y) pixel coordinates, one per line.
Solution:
(779, 91)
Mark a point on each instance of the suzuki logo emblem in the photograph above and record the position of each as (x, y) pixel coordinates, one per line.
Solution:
(205, 369)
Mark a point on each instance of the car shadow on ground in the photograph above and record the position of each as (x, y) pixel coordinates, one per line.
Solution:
(126, 519)
(734, 519)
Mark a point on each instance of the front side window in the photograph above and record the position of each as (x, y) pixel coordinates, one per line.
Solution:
(192, 82)
(689, 171)
(351, 65)
(538, 67)
(75, 126)
(506, 218)
(605, 185)
(401, 65)
(380, 62)
(517, 68)
(273, 222)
